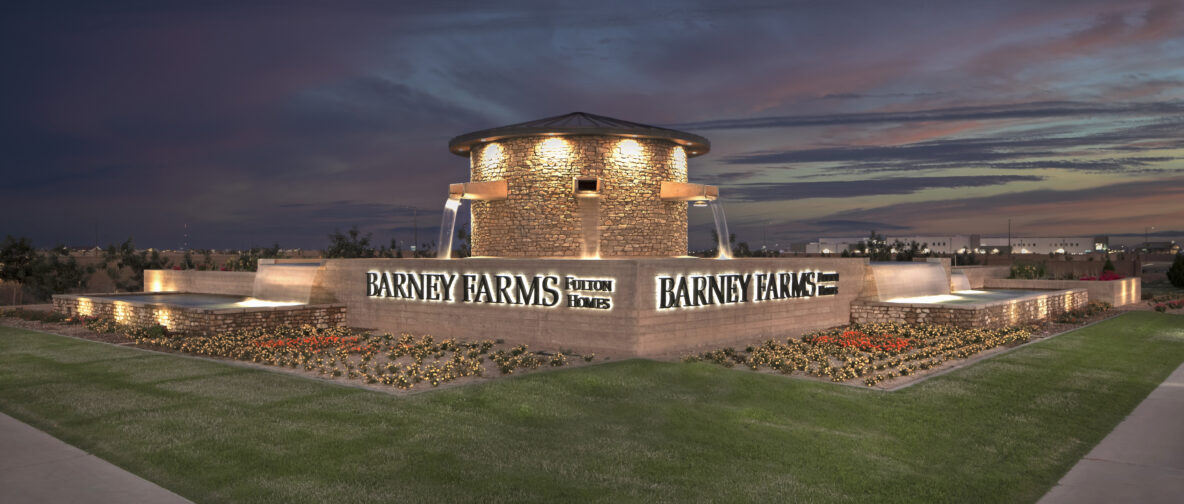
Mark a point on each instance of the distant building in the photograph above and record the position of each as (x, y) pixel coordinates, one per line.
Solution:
(1047, 244)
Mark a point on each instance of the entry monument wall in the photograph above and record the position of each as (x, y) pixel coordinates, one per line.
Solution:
(627, 306)
(545, 193)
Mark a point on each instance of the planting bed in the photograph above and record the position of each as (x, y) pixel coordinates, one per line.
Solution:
(379, 360)
(885, 354)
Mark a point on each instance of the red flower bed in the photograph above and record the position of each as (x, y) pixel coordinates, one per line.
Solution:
(862, 341)
(1105, 276)
(1173, 305)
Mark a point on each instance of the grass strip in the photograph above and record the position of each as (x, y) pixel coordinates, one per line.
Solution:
(1002, 430)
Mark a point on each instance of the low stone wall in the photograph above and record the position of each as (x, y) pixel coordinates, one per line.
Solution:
(238, 283)
(634, 324)
(995, 314)
(198, 321)
(977, 275)
(1115, 292)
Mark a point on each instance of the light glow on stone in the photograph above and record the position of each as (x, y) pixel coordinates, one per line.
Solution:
(491, 153)
(553, 149)
(163, 317)
(629, 148)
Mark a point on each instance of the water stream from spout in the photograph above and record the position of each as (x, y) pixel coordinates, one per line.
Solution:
(447, 226)
(290, 282)
(721, 229)
(590, 222)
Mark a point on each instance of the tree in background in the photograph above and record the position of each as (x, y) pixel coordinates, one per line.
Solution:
(905, 252)
(248, 260)
(17, 259)
(187, 261)
(349, 246)
(876, 247)
(1176, 272)
(57, 272)
(392, 251)
(42, 274)
(1109, 266)
(968, 258)
(465, 239)
(125, 257)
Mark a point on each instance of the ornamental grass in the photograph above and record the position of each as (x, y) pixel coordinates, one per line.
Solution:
(872, 352)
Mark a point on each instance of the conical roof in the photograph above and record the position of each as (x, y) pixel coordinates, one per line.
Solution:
(579, 123)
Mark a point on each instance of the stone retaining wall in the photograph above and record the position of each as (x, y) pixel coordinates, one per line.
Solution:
(1115, 292)
(238, 283)
(198, 321)
(996, 314)
(977, 275)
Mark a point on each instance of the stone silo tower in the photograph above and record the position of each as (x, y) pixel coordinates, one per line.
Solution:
(548, 188)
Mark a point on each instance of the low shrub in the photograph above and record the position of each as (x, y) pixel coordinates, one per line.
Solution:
(1078, 315)
(1027, 271)
(400, 361)
(33, 315)
(1105, 276)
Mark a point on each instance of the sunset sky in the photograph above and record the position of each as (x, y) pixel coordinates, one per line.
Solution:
(281, 122)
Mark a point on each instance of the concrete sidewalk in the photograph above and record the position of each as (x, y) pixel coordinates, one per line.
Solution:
(1142, 460)
(38, 468)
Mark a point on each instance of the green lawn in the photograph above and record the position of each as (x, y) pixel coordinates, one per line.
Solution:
(1002, 430)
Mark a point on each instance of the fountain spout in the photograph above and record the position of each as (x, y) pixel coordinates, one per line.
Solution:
(481, 191)
(682, 191)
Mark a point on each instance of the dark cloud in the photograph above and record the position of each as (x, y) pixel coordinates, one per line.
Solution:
(846, 226)
(260, 122)
(868, 187)
(1034, 110)
(1012, 153)
(1048, 207)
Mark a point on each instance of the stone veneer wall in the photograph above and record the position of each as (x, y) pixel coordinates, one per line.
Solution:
(1116, 292)
(237, 283)
(541, 218)
(998, 314)
(196, 321)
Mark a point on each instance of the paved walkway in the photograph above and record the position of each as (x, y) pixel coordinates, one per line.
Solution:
(1142, 460)
(37, 468)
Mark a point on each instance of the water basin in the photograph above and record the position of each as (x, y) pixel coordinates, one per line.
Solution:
(201, 301)
(968, 297)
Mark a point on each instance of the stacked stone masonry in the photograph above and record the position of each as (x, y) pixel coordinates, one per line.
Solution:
(998, 314)
(541, 215)
(201, 322)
